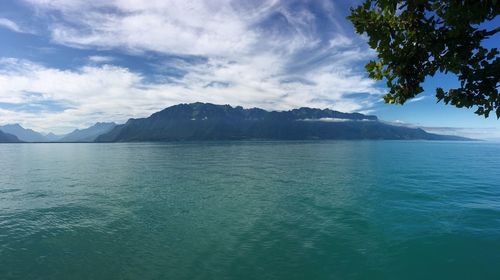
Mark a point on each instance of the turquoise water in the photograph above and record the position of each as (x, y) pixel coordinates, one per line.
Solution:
(250, 210)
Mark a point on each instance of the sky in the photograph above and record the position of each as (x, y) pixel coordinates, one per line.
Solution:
(67, 64)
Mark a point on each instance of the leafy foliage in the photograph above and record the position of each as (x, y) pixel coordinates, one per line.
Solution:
(418, 38)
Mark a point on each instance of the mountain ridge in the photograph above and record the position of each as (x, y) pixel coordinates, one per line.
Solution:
(88, 134)
(8, 138)
(206, 121)
(23, 134)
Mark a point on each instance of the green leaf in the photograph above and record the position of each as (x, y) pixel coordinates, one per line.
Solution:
(426, 36)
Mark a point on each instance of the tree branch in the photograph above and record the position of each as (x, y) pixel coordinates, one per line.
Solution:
(491, 32)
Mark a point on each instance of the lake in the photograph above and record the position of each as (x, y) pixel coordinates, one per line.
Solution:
(250, 210)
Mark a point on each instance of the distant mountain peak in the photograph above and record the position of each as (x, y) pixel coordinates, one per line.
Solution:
(8, 138)
(199, 110)
(13, 125)
(98, 124)
(88, 134)
(26, 135)
(206, 121)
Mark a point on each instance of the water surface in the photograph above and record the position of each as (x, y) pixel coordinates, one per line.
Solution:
(250, 210)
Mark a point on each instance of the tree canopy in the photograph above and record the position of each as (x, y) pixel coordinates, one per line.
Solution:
(418, 38)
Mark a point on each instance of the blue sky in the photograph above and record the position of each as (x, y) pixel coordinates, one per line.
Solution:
(67, 64)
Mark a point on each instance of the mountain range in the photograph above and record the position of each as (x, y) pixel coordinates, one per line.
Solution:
(88, 134)
(25, 135)
(205, 121)
(78, 135)
(8, 138)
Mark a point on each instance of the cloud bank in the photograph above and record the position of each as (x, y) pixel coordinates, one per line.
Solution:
(271, 54)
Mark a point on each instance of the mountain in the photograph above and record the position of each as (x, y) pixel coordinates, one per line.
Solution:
(26, 135)
(88, 134)
(8, 138)
(51, 137)
(204, 121)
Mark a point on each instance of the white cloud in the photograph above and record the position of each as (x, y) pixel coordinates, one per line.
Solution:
(485, 133)
(100, 59)
(258, 53)
(207, 28)
(111, 93)
(417, 99)
(179, 27)
(9, 24)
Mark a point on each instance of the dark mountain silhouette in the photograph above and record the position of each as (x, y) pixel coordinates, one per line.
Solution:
(26, 135)
(204, 121)
(8, 138)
